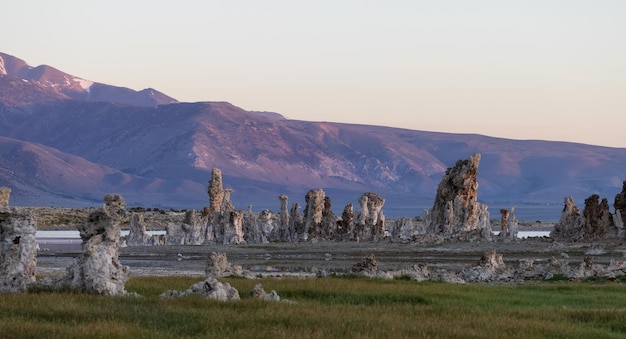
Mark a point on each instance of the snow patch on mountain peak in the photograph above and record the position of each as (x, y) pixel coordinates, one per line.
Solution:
(85, 84)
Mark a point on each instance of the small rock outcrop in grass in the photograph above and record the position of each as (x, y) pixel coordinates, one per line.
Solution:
(490, 266)
(210, 287)
(259, 293)
(18, 247)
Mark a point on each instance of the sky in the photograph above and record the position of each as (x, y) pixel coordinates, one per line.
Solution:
(547, 69)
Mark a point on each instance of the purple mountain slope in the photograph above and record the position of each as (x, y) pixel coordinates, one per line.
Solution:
(164, 155)
(41, 175)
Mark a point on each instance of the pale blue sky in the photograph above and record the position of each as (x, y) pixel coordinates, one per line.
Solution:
(552, 70)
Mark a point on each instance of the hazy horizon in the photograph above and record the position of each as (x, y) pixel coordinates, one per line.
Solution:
(519, 70)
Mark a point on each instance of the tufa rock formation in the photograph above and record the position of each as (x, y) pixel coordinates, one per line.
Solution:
(261, 229)
(5, 194)
(296, 223)
(490, 266)
(368, 266)
(456, 211)
(225, 223)
(259, 293)
(329, 221)
(313, 215)
(98, 269)
(571, 222)
(345, 225)
(217, 266)
(405, 229)
(220, 223)
(595, 222)
(371, 220)
(620, 208)
(192, 231)
(209, 288)
(509, 224)
(232, 226)
(492, 269)
(504, 220)
(216, 192)
(283, 233)
(598, 221)
(18, 247)
(137, 235)
(251, 227)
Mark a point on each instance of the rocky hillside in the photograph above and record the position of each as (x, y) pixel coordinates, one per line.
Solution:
(162, 156)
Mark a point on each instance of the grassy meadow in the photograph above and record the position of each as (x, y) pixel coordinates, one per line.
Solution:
(334, 307)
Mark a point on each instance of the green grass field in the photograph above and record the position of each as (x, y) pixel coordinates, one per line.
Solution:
(346, 307)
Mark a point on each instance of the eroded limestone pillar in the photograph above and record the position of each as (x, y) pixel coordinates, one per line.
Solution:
(5, 194)
(98, 269)
(18, 247)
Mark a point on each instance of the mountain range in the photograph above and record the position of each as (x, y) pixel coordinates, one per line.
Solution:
(66, 141)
